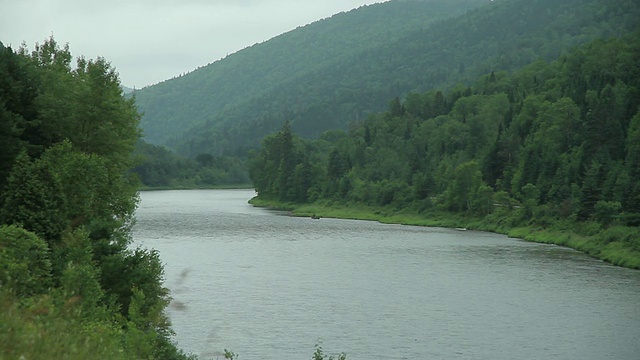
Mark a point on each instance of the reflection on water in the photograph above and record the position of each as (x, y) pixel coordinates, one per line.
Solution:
(271, 286)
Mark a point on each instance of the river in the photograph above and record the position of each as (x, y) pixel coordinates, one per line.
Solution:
(270, 286)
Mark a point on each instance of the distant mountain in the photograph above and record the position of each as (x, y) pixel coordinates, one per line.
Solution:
(338, 70)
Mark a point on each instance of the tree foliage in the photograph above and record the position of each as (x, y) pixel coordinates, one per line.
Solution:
(67, 199)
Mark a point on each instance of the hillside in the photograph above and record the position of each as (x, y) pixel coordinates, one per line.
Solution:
(259, 71)
(552, 150)
(337, 71)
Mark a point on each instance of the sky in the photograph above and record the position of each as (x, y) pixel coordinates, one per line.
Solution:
(149, 41)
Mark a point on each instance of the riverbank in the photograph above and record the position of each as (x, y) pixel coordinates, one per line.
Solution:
(618, 245)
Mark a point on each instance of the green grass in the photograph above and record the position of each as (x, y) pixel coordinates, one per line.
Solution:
(266, 203)
(619, 254)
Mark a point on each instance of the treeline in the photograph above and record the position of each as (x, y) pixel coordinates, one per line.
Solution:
(70, 285)
(159, 167)
(554, 143)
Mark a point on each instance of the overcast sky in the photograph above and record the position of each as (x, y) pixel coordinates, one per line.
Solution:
(149, 41)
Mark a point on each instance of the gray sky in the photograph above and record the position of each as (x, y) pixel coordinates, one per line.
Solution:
(149, 41)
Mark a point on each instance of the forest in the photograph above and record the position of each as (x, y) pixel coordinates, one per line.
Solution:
(199, 128)
(71, 284)
(160, 168)
(550, 152)
(333, 72)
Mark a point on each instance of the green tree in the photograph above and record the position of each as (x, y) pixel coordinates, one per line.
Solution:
(395, 108)
(466, 181)
(33, 199)
(530, 199)
(68, 198)
(607, 211)
(80, 276)
(25, 267)
(483, 202)
(17, 108)
(96, 195)
(591, 191)
(631, 198)
(105, 122)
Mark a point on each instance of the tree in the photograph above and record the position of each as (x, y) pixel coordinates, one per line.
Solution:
(33, 199)
(591, 191)
(301, 182)
(105, 122)
(483, 202)
(464, 186)
(17, 107)
(631, 198)
(205, 159)
(607, 211)
(25, 267)
(338, 166)
(395, 108)
(66, 207)
(530, 199)
(79, 274)
(561, 137)
(97, 195)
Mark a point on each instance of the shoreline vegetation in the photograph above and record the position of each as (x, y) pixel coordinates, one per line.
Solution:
(72, 285)
(198, 187)
(548, 153)
(606, 244)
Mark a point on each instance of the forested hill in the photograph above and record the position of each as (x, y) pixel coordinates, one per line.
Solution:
(407, 46)
(263, 69)
(552, 147)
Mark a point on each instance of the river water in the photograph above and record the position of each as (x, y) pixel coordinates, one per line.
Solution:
(270, 286)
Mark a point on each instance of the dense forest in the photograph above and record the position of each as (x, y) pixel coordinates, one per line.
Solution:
(71, 286)
(339, 70)
(551, 148)
(159, 167)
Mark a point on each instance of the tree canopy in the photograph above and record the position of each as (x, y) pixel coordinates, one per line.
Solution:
(67, 200)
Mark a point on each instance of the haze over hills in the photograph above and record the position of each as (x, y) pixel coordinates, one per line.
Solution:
(338, 70)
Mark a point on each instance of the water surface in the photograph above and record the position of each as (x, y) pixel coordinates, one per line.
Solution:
(269, 286)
